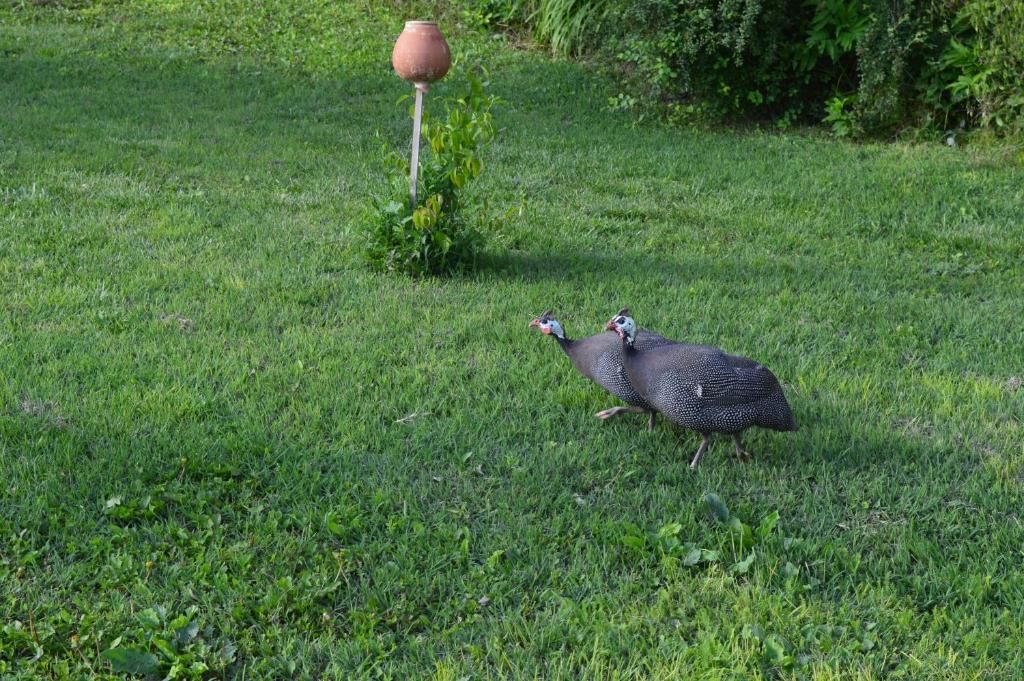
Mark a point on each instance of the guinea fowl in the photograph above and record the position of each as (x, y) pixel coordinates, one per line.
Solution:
(702, 388)
(599, 358)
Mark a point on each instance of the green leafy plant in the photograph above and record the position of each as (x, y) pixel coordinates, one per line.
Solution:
(172, 647)
(839, 116)
(743, 536)
(665, 545)
(991, 64)
(435, 236)
(837, 26)
(971, 74)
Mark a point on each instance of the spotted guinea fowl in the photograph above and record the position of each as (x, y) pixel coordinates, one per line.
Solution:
(702, 388)
(599, 358)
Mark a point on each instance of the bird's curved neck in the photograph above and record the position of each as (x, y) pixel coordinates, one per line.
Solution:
(627, 346)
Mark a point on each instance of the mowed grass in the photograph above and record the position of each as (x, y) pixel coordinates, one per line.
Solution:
(226, 443)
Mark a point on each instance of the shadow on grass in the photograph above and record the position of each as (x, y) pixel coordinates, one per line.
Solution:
(540, 266)
(98, 105)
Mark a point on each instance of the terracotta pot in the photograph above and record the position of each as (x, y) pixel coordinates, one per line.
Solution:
(421, 53)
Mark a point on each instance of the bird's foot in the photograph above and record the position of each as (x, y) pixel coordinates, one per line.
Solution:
(608, 413)
(742, 454)
(700, 453)
(615, 411)
(650, 421)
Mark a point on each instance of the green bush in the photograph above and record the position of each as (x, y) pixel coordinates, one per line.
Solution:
(847, 62)
(733, 58)
(435, 236)
(865, 67)
(895, 62)
(998, 47)
(975, 76)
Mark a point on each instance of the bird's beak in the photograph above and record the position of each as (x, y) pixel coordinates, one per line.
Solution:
(535, 322)
(610, 326)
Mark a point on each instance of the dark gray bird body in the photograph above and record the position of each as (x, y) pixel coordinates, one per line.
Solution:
(704, 389)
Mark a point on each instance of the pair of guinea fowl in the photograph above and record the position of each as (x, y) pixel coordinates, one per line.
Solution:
(697, 387)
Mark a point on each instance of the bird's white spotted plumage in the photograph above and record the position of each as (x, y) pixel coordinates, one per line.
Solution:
(702, 388)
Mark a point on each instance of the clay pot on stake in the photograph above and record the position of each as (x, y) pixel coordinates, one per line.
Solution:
(421, 56)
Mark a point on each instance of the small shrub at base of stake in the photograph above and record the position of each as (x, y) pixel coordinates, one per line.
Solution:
(435, 237)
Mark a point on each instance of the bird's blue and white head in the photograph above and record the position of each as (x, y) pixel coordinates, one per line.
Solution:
(548, 325)
(623, 325)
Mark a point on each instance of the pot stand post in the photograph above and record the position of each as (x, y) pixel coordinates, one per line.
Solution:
(415, 162)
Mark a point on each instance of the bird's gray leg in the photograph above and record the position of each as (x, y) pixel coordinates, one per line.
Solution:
(650, 421)
(741, 453)
(615, 411)
(705, 443)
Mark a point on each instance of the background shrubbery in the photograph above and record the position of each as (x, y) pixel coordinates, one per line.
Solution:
(865, 67)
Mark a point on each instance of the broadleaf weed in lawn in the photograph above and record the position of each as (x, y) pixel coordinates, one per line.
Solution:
(171, 646)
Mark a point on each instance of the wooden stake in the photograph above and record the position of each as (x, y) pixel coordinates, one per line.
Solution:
(415, 164)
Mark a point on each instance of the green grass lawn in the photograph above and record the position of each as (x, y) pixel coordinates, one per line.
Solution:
(225, 443)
